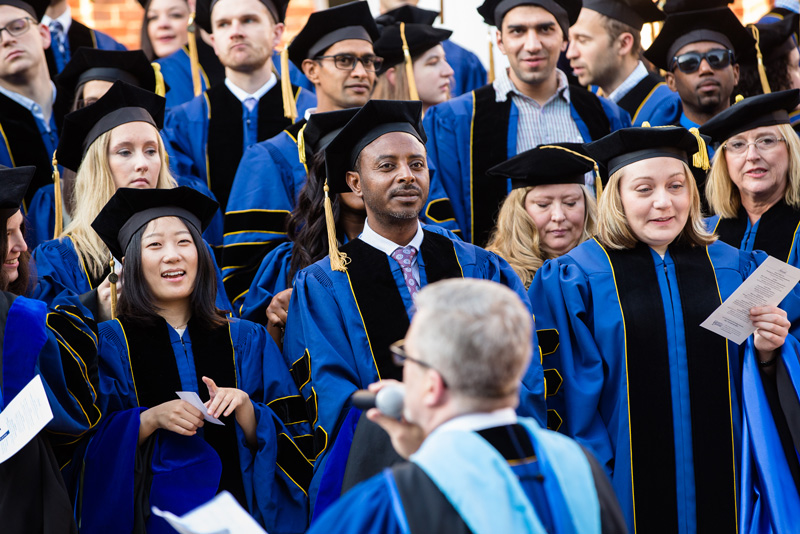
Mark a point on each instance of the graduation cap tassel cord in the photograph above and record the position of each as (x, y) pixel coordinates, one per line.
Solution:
(194, 59)
(441, 11)
(59, 224)
(762, 73)
(412, 83)
(301, 144)
(289, 105)
(161, 88)
(598, 183)
(700, 158)
(491, 58)
(112, 280)
(339, 260)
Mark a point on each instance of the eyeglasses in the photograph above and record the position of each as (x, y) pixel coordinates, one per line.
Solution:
(690, 61)
(16, 27)
(399, 357)
(349, 61)
(762, 144)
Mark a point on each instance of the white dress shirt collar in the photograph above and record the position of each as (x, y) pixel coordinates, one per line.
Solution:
(387, 246)
(243, 95)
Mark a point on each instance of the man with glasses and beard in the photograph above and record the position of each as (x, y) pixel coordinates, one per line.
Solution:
(699, 51)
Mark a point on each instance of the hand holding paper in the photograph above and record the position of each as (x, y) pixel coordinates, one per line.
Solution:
(767, 286)
(194, 399)
(24, 417)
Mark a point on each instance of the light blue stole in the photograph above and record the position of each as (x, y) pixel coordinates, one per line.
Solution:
(481, 485)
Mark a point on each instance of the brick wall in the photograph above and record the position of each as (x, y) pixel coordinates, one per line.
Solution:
(122, 19)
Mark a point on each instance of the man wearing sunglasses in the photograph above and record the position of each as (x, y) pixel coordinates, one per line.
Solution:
(29, 111)
(699, 52)
(475, 466)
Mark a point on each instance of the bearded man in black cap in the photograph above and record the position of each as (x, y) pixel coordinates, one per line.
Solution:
(529, 105)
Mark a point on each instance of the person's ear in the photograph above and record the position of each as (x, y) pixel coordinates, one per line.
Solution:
(354, 182)
(669, 77)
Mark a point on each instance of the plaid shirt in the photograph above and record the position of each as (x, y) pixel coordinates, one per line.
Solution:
(540, 124)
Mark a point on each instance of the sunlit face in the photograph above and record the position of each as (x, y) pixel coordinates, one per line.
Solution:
(759, 172)
(433, 75)
(393, 179)
(793, 68)
(413, 381)
(592, 55)
(338, 88)
(16, 246)
(167, 25)
(705, 91)
(24, 52)
(656, 199)
(244, 34)
(133, 157)
(169, 260)
(559, 212)
(532, 41)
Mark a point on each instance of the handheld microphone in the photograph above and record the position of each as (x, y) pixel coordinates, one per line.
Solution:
(388, 400)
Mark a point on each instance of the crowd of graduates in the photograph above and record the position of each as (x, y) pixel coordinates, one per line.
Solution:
(219, 214)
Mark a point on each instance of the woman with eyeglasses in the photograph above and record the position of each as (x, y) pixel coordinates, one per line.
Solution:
(753, 188)
(428, 76)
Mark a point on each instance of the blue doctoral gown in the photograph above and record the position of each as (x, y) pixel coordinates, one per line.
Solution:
(272, 278)
(272, 474)
(177, 71)
(451, 137)
(629, 399)
(336, 344)
(77, 36)
(468, 71)
(59, 269)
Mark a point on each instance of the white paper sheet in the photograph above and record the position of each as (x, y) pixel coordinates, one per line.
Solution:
(194, 399)
(24, 417)
(767, 286)
(221, 515)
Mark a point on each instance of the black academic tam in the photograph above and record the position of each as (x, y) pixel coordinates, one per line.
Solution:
(15, 183)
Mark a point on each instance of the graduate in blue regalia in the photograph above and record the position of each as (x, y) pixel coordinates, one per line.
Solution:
(305, 227)
(67, 35)
(271, 173)
(471, 133)
(168, 336)
(128, 118)
(209, 134)
(469, 73)
(666, 406)
(474, 466)
(348, 308)
(756, 212)
(37, 341)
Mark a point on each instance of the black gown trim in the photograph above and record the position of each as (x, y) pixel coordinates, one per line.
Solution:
(633, 101)
(156, 379)
(776, 230)
(650, 396)
(77, 36)
(378, 300)
(488, 147)
(590, 110)
(225, 145)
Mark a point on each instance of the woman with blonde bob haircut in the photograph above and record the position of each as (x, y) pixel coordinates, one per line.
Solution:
(111, 144)
(754, 184)
(657, 398)
(548, 211)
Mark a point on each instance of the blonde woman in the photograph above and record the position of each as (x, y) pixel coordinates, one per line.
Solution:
(754, 183)
(432, 75)
(549, 210)
(631, 373)
(111, 144)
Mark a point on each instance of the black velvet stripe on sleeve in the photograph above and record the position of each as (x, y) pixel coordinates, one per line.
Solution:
(290, 410)
(245, 259)
(272, 221)
(293, 462)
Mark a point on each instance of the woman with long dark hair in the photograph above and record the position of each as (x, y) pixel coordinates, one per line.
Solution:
(170, 337)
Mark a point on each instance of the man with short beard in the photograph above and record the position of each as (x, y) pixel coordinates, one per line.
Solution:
(208, 135)
(699, 51)
(604, 51)
(346, 312)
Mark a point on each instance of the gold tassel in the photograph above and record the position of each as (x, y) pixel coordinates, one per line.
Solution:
(412, 82)
(301, 144)
(491, 57)
(441, 12)
(762, 73)
(598, 183)
(339, 260)
(194, 60)
(112, 280)
(59, 226)
(289, 105)
(161, 88)
(700, 158)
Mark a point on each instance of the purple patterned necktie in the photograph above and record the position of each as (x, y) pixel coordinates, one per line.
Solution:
(405, 257)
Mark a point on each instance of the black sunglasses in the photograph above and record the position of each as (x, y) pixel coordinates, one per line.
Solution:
(689, 62)
(399, 357)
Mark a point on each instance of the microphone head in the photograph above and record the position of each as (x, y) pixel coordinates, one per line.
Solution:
(389, 400)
